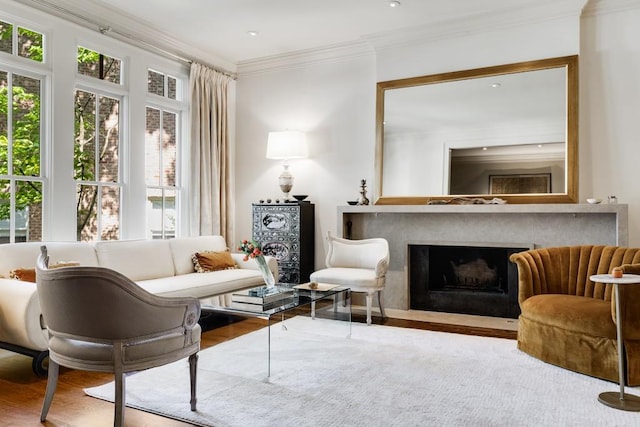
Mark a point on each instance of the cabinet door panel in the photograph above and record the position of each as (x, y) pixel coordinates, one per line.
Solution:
(286, 232)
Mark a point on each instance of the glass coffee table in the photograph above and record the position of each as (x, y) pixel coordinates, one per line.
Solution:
(326, 301)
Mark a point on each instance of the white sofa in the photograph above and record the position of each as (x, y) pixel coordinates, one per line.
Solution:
(162, 267)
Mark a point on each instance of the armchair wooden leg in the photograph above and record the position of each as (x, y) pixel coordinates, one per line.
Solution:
(193, 373)
(52, 383)
(118, 418)
(369, 298)
(380, 304)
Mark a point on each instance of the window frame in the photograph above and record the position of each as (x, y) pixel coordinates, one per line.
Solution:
(13, 64)
(111, 90)
(181, 110)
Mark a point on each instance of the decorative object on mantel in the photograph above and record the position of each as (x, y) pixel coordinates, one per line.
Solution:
(362, 200)
(295, 200)
(594, 201)
(612, 200)
(468, 201)
(286, 145)
(253, 250)
(352, 202)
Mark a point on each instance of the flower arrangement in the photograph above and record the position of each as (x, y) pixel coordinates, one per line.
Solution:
(250, 249)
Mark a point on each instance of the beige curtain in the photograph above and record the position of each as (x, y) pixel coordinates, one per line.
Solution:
(210, 211)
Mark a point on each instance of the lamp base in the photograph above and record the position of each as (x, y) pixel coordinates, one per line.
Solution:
(285, 180)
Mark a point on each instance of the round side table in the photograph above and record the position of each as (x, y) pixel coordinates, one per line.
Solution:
(622, 400)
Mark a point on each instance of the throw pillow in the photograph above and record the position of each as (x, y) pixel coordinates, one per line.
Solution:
(29, 274)
(24, 274)
(206, 261)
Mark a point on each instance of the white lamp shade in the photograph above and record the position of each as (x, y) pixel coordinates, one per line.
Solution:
(287, 145)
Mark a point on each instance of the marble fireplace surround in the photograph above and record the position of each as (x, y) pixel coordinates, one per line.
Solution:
(543, 225)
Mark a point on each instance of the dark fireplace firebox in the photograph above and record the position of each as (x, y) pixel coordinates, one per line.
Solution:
(466, 278)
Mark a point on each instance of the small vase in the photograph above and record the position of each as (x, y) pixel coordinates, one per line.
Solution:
(267, 274)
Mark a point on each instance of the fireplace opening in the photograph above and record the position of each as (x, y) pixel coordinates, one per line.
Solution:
(464, 278)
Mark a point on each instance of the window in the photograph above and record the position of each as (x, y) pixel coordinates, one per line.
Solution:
(160, 84)
(28, 44)
(96, 165)
(99, 66)
(161, 151)
(97, 147)
(20, 157)
(21, 180)
(115, 191)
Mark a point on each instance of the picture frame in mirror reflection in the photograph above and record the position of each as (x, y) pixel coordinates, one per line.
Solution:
(520, 184)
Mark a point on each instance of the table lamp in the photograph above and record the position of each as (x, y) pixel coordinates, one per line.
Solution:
(285, 145)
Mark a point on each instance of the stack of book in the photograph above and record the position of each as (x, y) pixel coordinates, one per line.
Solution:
(262, 299)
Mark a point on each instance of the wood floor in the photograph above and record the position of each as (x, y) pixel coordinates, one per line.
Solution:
(21, 392)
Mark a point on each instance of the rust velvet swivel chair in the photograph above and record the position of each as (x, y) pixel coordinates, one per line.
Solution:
(568, 320)
(98, 320)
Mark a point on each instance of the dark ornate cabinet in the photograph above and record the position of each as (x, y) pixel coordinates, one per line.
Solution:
(286, 231)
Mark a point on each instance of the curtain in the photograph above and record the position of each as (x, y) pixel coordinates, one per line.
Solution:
(210, 210)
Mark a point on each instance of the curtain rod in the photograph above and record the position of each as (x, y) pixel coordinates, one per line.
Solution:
(117, 34)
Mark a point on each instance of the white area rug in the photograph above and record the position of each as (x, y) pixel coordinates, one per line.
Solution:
(381, 376)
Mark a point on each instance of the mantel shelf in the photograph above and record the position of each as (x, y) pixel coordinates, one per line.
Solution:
(561, 208)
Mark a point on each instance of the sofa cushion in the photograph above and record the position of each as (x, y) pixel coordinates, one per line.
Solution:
(203, 285)
(208, 261)
(136, 259)
(585, 315)
(183, 248)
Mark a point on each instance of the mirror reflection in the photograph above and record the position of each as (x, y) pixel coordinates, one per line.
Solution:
(508, 169)
(506, 130)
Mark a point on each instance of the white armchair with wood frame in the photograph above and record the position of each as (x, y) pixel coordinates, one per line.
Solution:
(358, 264)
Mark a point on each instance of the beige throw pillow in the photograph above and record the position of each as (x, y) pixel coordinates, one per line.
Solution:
(207, 261)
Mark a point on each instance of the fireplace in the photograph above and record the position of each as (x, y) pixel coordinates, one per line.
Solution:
(467, 278)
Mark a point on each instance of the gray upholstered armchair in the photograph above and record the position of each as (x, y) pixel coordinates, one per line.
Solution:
(99, 320)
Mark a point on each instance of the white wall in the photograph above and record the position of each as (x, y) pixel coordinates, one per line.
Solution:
(334, 103)
(610, 106)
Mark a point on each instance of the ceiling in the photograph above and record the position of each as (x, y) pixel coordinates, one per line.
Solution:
(218, 29)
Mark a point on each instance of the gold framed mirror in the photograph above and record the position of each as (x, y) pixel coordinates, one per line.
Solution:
(451, 135)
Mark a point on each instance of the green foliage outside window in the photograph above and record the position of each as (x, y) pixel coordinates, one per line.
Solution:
(25, 147)
(25, 140)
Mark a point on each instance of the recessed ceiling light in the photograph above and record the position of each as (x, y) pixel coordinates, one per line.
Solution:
(484, 148)
(496, 85)
(252, 33)
(394, 3)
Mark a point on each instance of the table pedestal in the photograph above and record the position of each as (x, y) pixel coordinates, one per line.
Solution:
(627, 402)
(621, 400)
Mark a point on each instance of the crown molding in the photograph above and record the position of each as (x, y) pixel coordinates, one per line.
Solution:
(602, 7)
(538, 11)
(98, 17)
(298, 59)
(534, 13)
